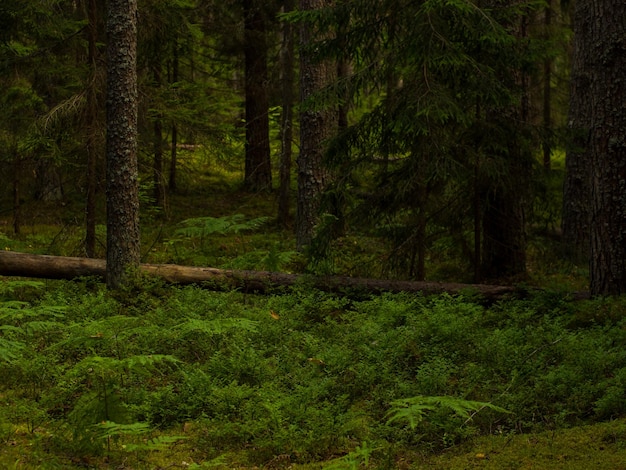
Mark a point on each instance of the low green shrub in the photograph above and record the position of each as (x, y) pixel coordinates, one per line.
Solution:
(305, 375)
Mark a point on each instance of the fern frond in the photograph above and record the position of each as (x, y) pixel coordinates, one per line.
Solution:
(10, 350)
(413, 410)
(216, 327)
(11, 286)
(108, 429)
(236, 223)
(156, 443)
(145, 364)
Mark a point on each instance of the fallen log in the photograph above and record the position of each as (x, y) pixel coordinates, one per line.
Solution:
(64, 267)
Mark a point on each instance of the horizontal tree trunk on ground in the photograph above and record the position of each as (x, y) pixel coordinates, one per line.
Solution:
(62, 267)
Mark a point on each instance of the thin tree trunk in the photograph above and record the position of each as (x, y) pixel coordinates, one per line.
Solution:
(123, 250)
(577, 187)
(17, 209)
(477, 207)
(157, 167)
(173, 160)
(287, 67)
(547, 93)
(258, 168)
(91, 119)
(157, 164)
(316, 126)
(173, 154)
(504, 224)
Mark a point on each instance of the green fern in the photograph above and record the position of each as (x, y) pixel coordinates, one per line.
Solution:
(7, 287)
(108, 430)
(10, 350)
(142, 364)
(202, 226)
(216, 327)
(158, 443)
(414, 410)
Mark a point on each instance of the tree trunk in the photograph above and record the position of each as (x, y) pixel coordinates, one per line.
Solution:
(157, 127)
(577, 190)
(60, 267)
(258, 168)
(121, 144)
(287, 63)
(547, 93)
(173, 154)
(607, 144)
(17, 209)
(49, 187)
(91, 123)
(504, 224)
(504, 241)
(316, 126)
(157, 167)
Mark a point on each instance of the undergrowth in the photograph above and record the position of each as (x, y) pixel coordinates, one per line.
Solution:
(241, 380)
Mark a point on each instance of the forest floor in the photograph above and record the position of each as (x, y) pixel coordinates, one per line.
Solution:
(164, 377)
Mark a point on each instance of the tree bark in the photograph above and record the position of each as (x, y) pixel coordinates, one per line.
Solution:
(157, 127)
(577, 187)
(258, 167)
(17, 208)
(157, 167)
(173, 154)
(316, 126)
(60, 267)
(547, 93)
(504, 221)
(287, 63)
(91, 124)
(121, 144)
(607, 144)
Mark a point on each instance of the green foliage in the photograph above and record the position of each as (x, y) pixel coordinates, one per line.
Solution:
(305, 375)
(415, 409)
(234, 224)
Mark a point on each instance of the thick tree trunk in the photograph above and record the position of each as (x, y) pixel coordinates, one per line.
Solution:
(60, 267)
(577, 187)
(316, 126)
(258, 167)
(607, 45)
(121, 146)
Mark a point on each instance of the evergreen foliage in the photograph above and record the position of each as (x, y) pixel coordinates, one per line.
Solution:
(435, 146)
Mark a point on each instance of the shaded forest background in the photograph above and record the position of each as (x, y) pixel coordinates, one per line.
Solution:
(439, 151)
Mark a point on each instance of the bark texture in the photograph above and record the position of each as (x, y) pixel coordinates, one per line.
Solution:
(316, 126)
(607, 143)
(577, 189)
(93, 125)
(121, 143)
(60, 267)
(258, 168)
(504, 219)
(287, 66)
